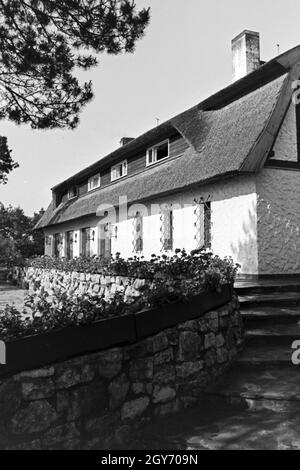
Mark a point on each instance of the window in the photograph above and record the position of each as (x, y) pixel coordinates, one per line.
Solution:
(203, 224)
(70, 245)
(157, 153)
(105, 239)
(94, 182)
(166, 228)
(86, 242)
(118, 171)
(58, 242)
(207, 224)
(73, 192)
(138, 233)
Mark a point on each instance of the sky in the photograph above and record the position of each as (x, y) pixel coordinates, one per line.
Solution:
(184, 57)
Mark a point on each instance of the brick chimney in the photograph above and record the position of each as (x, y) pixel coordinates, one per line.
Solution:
(245, 54)
(125, 140)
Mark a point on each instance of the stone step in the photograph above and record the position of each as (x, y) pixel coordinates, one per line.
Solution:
(275, 333)
(266, 354)
(276, 389)
(282, 299)
(266, 315)
(247, 288)
(284, 330)
(284, 342)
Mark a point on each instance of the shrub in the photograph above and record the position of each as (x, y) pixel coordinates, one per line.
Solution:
(177, 266)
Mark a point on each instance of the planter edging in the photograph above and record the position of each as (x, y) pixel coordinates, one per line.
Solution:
(150, 322)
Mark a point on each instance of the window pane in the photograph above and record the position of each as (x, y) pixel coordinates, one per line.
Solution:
(56, 245)
(72, 193)
(203, 224)
(162, 151)
(138, 233)
(70, 236)
(167, 229)
(85, 242)
(118, 171)
(207, 225)
(94, 182)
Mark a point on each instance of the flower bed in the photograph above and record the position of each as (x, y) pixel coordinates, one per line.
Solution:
(138, 285)
(202, 266)
(38, 343)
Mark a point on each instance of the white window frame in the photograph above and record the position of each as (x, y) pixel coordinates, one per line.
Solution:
(91, 180)
(114, 175)
(154, 153)
(69, 193)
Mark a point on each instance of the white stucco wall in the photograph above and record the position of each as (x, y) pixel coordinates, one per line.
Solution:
(123, 243)
(278, 221)
(285, 147)
(233, 216)
(75, 226)
(278, 206)
(234, 223)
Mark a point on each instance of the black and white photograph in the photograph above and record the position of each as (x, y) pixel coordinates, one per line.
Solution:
(149, 228)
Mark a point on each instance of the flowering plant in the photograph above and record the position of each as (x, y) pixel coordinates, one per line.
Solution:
(158, 281)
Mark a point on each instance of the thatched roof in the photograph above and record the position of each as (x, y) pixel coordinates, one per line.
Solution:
(221, 133)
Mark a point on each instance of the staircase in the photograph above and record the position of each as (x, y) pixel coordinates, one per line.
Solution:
(264, 376)
(256, 405)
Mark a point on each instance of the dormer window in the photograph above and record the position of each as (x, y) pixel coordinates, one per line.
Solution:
(72, 193)
(118, 171)
(94, 182)
(158, 152)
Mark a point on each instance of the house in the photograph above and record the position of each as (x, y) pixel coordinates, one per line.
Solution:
(224, 174)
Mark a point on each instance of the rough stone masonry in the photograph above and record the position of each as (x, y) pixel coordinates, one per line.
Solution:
(97, 401)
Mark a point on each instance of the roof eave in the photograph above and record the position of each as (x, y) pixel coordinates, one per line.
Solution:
(161, 194)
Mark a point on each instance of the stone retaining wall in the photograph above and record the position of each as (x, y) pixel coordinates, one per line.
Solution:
(75, 283)
(96, 401)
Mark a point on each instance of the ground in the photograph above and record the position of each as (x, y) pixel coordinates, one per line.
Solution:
(224, 428)
(11, 295)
